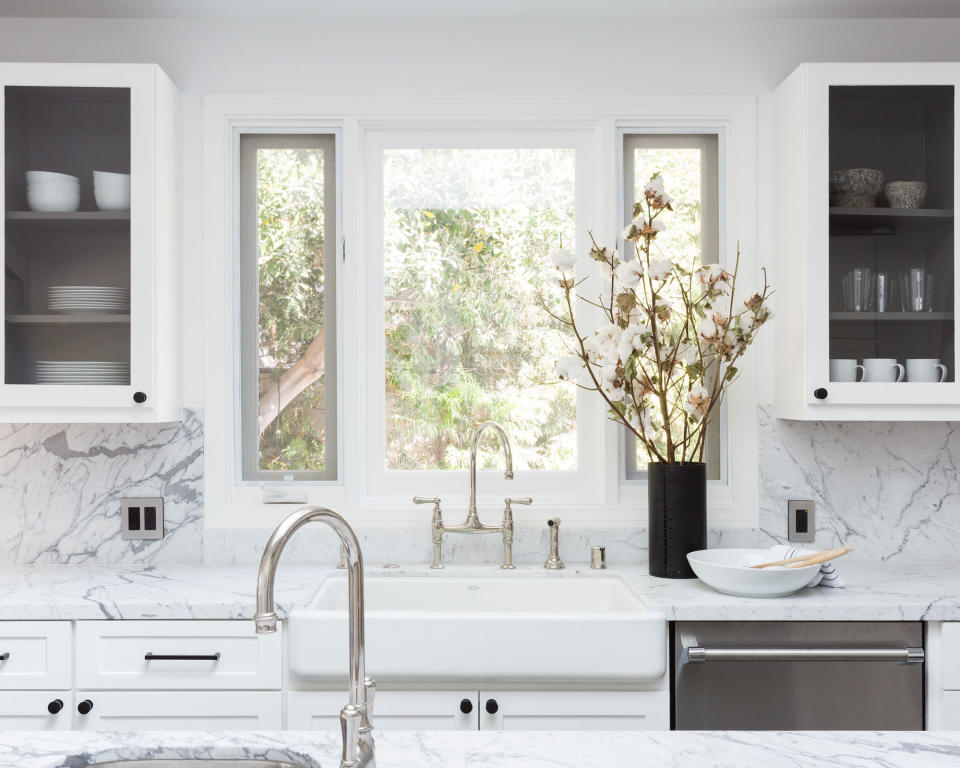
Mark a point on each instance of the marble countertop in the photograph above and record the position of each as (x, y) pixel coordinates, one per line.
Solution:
(881, 592)
(499, 749)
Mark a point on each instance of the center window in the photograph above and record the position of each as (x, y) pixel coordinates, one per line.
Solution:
(467, 234)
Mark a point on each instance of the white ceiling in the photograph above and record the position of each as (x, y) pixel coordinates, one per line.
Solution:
(454, 9)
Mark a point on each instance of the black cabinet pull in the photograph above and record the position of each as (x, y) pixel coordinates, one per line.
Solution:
(492, 707)
(55, 706)
(820, 393)
(466, 706)
(4, 656)
(84, 707)
(139, 397)
(182, 657)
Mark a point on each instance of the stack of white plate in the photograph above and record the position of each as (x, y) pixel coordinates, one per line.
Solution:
(81, 372)
(88, 298)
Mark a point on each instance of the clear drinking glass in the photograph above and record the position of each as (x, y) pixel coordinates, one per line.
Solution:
(917, 288)
(858, 290)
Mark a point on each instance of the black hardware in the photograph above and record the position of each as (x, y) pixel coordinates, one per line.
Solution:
(466, 706)
(492, 707)
(84, 707)
(4, 656)
(55, 706)
(139, 397)
(820, 393)
(182, 657)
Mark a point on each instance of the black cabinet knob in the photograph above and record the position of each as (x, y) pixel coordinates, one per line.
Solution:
(492, 707)
(54, 706)
(466, 706)
(820, 393)
(84, 707)
(139, 397)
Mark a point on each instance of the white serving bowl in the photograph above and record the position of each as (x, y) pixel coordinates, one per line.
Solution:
(46, 177)
(53, 197)
(728, 571)
(106, 178)
(112, 198)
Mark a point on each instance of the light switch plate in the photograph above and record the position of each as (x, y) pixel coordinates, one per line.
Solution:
(141, 518)
(801, 521)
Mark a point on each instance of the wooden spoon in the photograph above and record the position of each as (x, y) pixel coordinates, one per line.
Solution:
(811, 559)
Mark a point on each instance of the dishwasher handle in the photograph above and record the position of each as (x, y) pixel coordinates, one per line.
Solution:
(908, 655)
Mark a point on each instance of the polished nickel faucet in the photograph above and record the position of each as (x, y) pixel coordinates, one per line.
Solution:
(355, 718)
(472, 524)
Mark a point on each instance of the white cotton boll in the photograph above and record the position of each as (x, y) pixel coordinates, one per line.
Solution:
(564, 259)
(630, 274)
(630, 341)
(708, 329)
(654, 187)
(568, 368)
(686, 352)
(661, 269)
(696, 401)
(658, 224)
(719, 317)
(641, 420)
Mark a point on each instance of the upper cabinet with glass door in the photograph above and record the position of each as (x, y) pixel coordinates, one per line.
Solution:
(866, 270)
(89, 243)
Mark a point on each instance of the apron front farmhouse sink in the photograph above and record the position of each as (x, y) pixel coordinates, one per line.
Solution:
(488, 629)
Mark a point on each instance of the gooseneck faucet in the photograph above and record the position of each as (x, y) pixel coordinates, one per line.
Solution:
(356, 717)
(472, 524)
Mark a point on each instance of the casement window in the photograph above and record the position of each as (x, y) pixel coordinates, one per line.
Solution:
(287, 306)
(690, 166)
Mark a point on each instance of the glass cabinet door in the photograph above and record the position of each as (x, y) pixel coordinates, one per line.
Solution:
(67, 239)
(890, 277)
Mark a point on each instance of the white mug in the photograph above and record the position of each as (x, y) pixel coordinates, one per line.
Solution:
(926, 369)
(844, 370)
(882, 369)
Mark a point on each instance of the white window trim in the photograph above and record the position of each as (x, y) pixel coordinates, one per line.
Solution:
(609, 502)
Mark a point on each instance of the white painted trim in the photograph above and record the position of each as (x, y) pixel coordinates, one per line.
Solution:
(609, 503)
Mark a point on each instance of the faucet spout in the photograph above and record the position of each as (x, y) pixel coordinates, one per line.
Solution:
(358, 747)
(474, 446)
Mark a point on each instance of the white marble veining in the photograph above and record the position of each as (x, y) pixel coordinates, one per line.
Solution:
(61, 485)
(881, 592)
(502, 749)
(890, 489)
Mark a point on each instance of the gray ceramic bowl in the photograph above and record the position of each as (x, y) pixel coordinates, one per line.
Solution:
(855, 187)
(906, 194)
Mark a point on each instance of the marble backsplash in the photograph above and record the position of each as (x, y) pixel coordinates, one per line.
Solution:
(890, 489)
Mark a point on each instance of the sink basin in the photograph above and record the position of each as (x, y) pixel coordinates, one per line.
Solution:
(490, 629)
(245, 763)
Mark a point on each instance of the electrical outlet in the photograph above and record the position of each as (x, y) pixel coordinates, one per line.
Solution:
(801, 522)
(141, 518)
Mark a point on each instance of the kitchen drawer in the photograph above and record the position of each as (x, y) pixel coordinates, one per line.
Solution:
(392, 710)
(114, 654)
(950, 656)
(38, 655)
(35, 710)
(574, 710)
(178, 711)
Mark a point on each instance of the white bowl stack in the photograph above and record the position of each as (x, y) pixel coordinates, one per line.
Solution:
(52, 192)
(83, 372)
(111, 191)
(88, 298)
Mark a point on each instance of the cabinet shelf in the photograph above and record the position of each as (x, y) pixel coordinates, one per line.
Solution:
(892, 317)
(91, 318)
(856, 220)
(98, 220)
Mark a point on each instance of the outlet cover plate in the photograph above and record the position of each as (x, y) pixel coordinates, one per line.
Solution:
(141, 518)
(801, 521)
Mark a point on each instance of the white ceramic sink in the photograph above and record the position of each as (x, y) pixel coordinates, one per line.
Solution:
(499, 628)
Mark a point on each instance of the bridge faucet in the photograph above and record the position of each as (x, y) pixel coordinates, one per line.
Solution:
(355, 718)
(472, 519)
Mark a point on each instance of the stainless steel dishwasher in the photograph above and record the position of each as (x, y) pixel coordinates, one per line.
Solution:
(787, 675)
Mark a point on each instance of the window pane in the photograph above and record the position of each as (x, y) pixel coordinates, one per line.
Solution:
(466, 238)
(288, 410)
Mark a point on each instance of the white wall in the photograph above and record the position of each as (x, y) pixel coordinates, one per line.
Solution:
(487, 56)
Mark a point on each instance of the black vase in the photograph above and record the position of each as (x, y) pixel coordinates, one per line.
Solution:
(677, 511)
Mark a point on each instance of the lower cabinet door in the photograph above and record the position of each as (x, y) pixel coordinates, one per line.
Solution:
(392, 710)
(177, 710)
(574, 710)
(35, 710)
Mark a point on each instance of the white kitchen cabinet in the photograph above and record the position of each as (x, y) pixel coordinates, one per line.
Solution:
(76, 119)
(35, 710)
(874, 283)
(392, 710)
(184, 655)
(574, 710)
(177, 710)
(35, 655)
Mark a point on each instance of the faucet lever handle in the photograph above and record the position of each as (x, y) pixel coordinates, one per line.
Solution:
(435, 500)
(526, 500)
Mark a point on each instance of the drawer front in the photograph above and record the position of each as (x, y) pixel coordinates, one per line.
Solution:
(178, 711)
(950, 656)
(185, 655)
(574, 711)
(392, 710)
(35, 655)
(35, 710)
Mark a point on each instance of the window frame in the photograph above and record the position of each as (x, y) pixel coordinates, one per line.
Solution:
(611, 502)
(249, 143)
